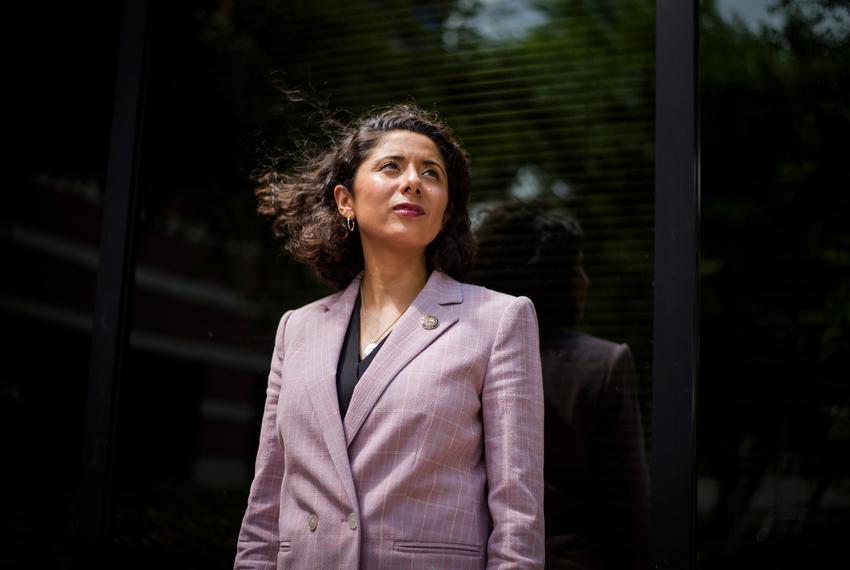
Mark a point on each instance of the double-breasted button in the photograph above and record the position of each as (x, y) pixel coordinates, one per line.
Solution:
(352, 521)
(312, 522)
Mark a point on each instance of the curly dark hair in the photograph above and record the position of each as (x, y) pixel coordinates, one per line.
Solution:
(532, 249)
(304, 212)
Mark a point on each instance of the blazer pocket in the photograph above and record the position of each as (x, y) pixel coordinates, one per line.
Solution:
(285, 545)
(419, 547)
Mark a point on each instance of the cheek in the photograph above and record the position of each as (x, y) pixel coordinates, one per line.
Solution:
(368, 199)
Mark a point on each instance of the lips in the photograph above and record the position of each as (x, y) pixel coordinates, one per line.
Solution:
(409, 209)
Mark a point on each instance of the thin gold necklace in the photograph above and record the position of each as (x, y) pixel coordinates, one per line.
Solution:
(374, 341)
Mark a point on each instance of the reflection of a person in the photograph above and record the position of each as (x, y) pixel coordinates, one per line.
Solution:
(595, 469)
(403, 421)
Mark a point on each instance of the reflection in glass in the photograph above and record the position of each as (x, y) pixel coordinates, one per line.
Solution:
(595, 466)
(773, 448)
(59, 87)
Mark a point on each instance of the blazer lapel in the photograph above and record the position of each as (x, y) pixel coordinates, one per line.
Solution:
(327, 332)
(407, 339)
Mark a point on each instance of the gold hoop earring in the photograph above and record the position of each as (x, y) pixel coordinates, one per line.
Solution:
(349, 223)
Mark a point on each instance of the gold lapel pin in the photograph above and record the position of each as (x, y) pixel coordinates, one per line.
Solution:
(429, 322)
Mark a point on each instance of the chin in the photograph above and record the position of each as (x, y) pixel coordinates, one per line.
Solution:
(403, 239)
(418, 247)
(410, 239)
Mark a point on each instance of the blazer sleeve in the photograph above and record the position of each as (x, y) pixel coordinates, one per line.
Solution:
(512, 410)
(258, 542)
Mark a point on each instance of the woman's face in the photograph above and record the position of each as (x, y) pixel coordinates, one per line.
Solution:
(400, 194)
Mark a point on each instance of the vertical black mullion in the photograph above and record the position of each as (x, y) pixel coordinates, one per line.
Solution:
(114, 278)
(675, 340)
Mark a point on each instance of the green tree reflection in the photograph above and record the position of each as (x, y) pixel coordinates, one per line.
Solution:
(773, 397)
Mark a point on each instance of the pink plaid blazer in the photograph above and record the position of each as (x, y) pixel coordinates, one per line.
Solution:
(438, 462)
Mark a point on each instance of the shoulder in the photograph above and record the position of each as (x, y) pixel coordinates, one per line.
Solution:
(585, 359)
(295, 319)
(591, 346)
(573, 341)
(501, 321)
(317, 306)
(490, 304)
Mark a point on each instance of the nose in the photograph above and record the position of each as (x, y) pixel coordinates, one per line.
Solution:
(412, 181)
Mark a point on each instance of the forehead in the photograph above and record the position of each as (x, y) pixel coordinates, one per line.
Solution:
(406, 144)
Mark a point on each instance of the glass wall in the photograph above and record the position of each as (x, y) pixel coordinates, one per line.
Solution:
(60, 79)
(554, 102)
(774, 404)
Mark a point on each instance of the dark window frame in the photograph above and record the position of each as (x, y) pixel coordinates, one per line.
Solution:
(109, 337)
(675, 308)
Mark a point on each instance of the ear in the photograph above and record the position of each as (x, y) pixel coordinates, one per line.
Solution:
(344, 200)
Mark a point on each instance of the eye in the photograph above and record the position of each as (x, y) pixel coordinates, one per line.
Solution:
(388, 166)
(432, 172)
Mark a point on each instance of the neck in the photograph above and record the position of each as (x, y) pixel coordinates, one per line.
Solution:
(391, 282)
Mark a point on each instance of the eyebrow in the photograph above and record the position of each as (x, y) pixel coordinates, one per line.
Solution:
(427, 161)
(434, 163)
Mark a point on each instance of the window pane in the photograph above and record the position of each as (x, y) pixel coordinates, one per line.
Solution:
(554, 102)
(773, 395)
(60, 83)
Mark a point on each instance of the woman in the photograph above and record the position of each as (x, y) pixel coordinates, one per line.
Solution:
(403, 425)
